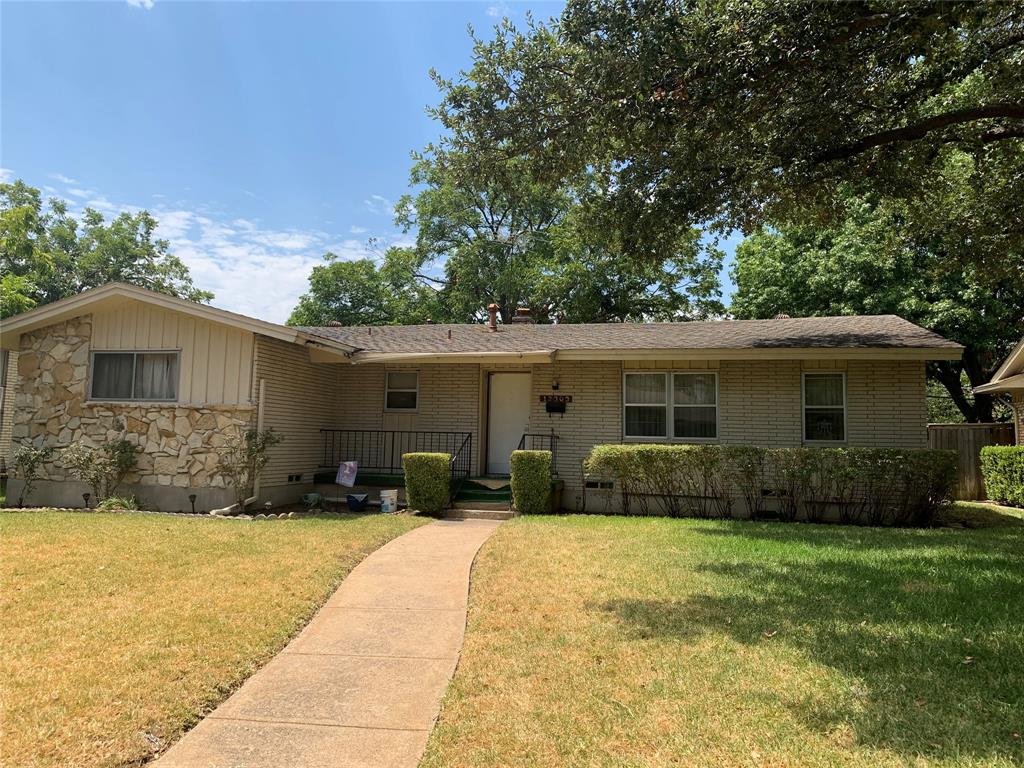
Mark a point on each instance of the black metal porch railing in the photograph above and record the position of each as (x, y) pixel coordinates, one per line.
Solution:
(381, 451)
(541, 442)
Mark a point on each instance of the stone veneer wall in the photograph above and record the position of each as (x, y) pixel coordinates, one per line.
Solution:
(178, 444)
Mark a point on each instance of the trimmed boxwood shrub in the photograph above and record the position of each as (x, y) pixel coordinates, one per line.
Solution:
(427, 481)
(872, 486)
(531, 482)
(1002, 467)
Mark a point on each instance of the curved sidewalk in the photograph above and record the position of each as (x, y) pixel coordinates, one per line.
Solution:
(361, 686)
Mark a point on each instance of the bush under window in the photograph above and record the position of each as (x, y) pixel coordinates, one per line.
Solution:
(873, 486)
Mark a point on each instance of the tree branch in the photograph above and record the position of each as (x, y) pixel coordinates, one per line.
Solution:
(922, 129)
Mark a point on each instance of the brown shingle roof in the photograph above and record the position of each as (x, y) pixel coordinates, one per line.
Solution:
(858, 331)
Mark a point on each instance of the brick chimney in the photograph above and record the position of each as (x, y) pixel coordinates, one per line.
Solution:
(523, 315)
(492, 317)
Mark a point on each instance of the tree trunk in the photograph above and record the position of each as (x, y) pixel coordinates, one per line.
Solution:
(947, 373)
(978, 373)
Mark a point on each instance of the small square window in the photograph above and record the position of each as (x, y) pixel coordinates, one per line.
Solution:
(402, 392)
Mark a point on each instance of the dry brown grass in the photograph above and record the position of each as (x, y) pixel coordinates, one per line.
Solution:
(629, 643)
(118, 631)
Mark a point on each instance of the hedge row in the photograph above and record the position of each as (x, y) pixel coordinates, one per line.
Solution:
(1002, 467)
(868, 486)
(531, 482)
(427, 481)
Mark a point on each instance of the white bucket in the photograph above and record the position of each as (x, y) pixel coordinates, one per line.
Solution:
(389, 501)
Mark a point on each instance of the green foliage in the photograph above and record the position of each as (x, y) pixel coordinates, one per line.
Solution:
(103, 469)
(531, 482)
(1002, 467)
(361, 293)
(679, 479)
(883, 258)
(46, 255)
(28, 460)
(745, 114)
(118, 504)
(499, 238)
(873, 486)
(427, 481)
(244, 457)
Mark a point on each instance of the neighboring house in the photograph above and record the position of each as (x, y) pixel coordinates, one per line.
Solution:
(1010, 379)
(179, 377)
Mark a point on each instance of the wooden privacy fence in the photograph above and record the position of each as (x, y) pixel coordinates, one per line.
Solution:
(968, 440)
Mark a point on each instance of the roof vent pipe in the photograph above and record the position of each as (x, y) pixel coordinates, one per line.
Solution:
(492, 317)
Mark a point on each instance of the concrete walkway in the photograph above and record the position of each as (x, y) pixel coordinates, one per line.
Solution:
(361, 685)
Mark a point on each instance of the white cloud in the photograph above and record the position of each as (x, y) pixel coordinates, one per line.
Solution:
(147, 4)
(251, 268)
(6, 175)
(380, 205)
(63, 179)
(498, 10)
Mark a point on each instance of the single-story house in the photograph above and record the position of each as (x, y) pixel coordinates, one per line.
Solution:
(1010, 379)
(178, 377)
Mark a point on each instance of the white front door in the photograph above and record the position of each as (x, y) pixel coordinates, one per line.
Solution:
(508, 417)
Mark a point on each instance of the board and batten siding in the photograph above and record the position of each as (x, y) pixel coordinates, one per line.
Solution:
(216, 360)
(299, 399)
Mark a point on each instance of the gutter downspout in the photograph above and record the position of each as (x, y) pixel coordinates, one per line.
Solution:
(256, 480)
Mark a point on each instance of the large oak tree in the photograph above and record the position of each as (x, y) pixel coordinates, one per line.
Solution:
(743, 113)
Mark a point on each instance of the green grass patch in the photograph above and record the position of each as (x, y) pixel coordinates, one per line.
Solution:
(121, 630)
(604, 641)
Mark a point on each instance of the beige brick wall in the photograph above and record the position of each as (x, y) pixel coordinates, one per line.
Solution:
(449, 401)
(760, 404)
(8, 389)
(300, 398)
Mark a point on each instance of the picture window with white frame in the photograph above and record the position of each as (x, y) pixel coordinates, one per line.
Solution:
(677, 405)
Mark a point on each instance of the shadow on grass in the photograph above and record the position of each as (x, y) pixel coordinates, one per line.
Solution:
(926, 626)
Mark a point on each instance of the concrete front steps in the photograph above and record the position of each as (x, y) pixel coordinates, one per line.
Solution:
(482, 498)
(460, 513)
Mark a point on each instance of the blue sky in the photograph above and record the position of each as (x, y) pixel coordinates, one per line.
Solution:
(260, 134)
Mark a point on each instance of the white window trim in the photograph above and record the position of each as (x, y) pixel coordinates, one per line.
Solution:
(717, 407)
(387, 389)
(670, 407)
(804, 406)
(92, 365)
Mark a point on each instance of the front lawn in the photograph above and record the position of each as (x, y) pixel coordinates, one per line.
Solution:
(119, 630)
(603, 641)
